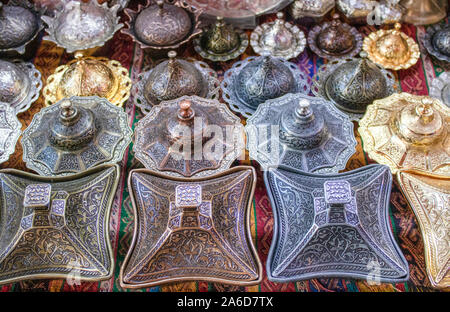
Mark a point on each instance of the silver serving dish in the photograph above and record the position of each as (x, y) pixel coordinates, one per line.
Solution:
(20, 24)
(20, 84)
(353, 83)
(82, 25)
(10, 130)
(437, 41)
(440, 88)
(279, 38)
(371, 12)
(174, 78)
(75, 134)
(316, 9)
(301, 132)
(333, 226)
(256, 79)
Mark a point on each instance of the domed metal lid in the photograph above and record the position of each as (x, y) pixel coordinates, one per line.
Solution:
(256, 79)
(437, 41)
(301, 132)
(335, 39)
(20, 22)
(405, 131)
(163, 24)
(221, 42)
(82, 25)
(424, 12)
(312, 8)
(352, 84)
(10, 129)
(368, 11)
(392, 48)
(440, 88)
(75, 134)
(279, 38)
(88, 76)
(175, 137)
(20, 84)
(174, 78)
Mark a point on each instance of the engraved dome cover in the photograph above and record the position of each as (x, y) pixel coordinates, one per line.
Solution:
(437, 41)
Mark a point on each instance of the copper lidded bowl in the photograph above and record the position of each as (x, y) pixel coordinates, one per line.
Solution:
(437, 41)
(10, 130)
(440, 88)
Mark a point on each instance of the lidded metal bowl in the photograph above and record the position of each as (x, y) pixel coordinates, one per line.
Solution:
(424, 12)
(301, 132)
(163, 24)
(176, 138)
(256, 79)
(371, 12)
(311, 8)
(20, 84)
(10, 129)
(279, 38)
(82, 25)
(437, 41)
(353, 83)
(75, 134)
(20, 22)
(440, 88)
(88, 76)
(173, 78)
(335, 39)
(406, 131)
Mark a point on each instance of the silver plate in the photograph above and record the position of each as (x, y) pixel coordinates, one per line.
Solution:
(440, 88)
(10, 130)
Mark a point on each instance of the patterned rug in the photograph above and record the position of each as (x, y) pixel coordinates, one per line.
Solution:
(415, 80)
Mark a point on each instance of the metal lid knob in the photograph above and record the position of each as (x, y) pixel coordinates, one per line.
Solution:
(186, 112)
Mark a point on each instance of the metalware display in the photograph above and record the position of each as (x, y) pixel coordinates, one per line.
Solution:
(315, 9)
(75, 134)
(406, 131)
(279, 38)
(20, 84)
(424, 12)
(440, 88)
(191, 230)
(437, 41)
(176, 137)
(429, 197)
(368, 11)
(56, 227)
(256, 79)
(82, 25)
(174, 78)
(333, 226)
(301, 132)
(352, 84)
(335, 39)
(163, 24)
(88, 76)
(221, 42)
(392, 49)
(10, 130)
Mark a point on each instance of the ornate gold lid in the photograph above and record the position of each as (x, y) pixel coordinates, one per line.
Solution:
(392, 48)
(88, 76)
(406, 131)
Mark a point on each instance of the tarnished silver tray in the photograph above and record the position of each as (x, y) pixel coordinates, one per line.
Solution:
(10, 130)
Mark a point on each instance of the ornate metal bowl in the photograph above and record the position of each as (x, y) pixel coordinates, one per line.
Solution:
(82, 25)
(300, 132)
(20, 84)
(440, 88)
(424, 12)
(56, 227)
(191, 229)
(20, 22)
(392, 48)
(10, 129)
(279, 38)
(428, 196)
(352, 84)
(75, 134)
(371, 12)
(405, 131)
(316, 9)
(333, 226)
(176, 138)
(172, 79)
(437, 41)
(163, 24)
(88, 76)
(256, 79)
(335, 39)
(221, 42)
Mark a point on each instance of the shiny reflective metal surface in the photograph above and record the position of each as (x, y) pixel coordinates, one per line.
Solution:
(437, 41)
(75, 134)
(10, 129)
(406, 131)
(333, 226)
(191, 230)
(278, 38)
(424, 12)
(82, 25)
(311, 8)
(440, 88)
(256, 79)
(368, 11)
(301, 132)
(55, 227)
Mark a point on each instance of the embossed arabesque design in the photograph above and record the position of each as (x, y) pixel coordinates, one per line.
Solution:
(437, 41)
(440, 88)
(363, 11)
(311, 8)
(333, 226)
(429, 197)
(56, 227)
(10, 130)
(190, 230)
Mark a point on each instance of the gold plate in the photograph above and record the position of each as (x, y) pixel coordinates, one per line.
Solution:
(429, 197)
